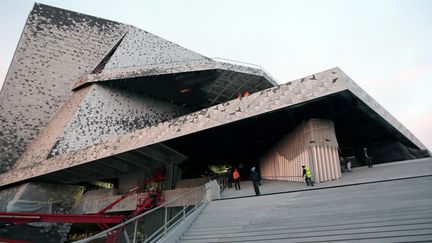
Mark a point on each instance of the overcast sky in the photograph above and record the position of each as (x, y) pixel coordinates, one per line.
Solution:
(384, 46)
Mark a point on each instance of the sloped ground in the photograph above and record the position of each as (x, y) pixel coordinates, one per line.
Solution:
(386, 211)
(388, 171)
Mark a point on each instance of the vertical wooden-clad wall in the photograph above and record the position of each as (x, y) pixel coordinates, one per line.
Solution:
(312, 143)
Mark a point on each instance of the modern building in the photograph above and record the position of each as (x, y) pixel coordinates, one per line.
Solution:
(89, 102)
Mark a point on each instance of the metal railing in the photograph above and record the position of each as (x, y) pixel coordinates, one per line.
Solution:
(222, 180)
(171, 64)
(154, 224)
(245, 64)
(201, 61)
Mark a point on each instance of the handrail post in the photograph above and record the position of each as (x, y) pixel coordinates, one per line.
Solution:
(166, 220)
(197, 192)
(184, 210)
(126, 235)
(135, 232)
(196, 201)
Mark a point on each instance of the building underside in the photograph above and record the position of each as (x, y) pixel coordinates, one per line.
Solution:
(245, 141)
(115, 102)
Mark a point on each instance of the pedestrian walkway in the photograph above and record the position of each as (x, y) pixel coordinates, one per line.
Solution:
(388, 171)
(390, 209)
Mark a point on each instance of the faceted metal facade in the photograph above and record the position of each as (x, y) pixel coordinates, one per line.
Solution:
(106, 113)
(57, 52)
(295, 92)
(60, 107)
(56, 47)
(376, 107)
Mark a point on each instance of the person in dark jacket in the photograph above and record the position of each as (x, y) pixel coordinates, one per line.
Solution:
(259, 177)
(255, 180)
(367, 158)
(230, 178)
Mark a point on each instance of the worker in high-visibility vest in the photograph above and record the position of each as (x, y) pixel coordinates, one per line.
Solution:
(307, 175)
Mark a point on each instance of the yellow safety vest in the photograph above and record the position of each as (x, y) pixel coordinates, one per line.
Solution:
(308, 172)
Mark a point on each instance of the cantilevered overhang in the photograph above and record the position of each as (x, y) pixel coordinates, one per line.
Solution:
(195, 83)
(329, 94)
(112, 167)
(246, 140)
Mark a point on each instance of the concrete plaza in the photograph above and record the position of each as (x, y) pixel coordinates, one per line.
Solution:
(388, 171)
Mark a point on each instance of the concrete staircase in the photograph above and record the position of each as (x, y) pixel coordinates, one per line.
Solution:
(394, 211)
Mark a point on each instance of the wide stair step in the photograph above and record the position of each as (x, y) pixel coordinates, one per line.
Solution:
(329, 215)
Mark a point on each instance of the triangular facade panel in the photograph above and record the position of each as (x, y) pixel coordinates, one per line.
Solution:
(107, 113)
(56, 47)
(140, 48)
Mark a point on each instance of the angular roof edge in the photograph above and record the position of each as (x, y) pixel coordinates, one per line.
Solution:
(174, 68)
(381, 111)
(295, 92)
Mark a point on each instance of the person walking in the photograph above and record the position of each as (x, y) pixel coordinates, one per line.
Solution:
(255, 180)
(367, 158)
(348, 165)
(259, 177)
(307, 175)
(230, 177)
(236, 177)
